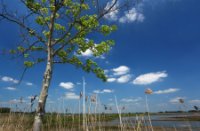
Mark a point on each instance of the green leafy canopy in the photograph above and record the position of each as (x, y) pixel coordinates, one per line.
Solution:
(63, 26)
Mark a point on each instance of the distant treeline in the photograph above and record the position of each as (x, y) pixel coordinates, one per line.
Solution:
(4, 110)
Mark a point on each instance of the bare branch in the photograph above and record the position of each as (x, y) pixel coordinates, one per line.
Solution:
(21, 24)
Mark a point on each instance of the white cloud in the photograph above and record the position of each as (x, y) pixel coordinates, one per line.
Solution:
(176, 100)
(107, 91)
(194, 101)
(170, 90)
(97, 91)
(128, 100)
(14, 101)
(149, 78)
(10, 88)
(66, 85)
(124, 79)
(9, 79)
(121, 70)
(87, 53)
(131, 16)
(29, 84)
(72, 96)
(119, 74)
(113, 14)
(103, 91)
(111, 79)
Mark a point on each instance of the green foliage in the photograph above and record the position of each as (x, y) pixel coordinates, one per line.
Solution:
(26, 55)
(43, 1)
(12, 51)
(39, 60)
(31, 4)
(85, 6)
(92, 66)
(44, 11)
(37, 48)
(106, 30)
(89, 22)
(39, 20)
(28, 63)
(46, 33)
(79, 22)
(59, 27)
(20, 49)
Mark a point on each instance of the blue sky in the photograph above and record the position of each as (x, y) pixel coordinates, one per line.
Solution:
(157, 47)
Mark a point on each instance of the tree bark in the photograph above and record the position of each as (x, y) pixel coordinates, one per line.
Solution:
(47, 78)
(44, 93)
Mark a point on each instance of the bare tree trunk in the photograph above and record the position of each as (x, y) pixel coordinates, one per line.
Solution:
(44, 93)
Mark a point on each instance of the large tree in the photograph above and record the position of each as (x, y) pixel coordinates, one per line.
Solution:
(56, 32)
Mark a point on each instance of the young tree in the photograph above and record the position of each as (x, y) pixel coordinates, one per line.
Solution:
(58, 35)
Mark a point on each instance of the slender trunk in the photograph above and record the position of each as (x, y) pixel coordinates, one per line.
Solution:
(46, 79)
(43, 95)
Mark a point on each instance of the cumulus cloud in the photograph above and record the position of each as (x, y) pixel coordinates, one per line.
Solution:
(103, 91)
(111, 79)
(149, 78)
(72, 96)
(119, 74)
(128, 100)
(87, 53)
(10, 88)
(124, 79)
(176, 100)
(67, 85)
(113, 13)
(121, 70)
(167, 91)
(9, 79)
(131, 16)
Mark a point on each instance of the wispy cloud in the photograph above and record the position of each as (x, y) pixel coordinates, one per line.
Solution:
(9, 79)
(128, 100)
(129, 16)
(167, 91)
(196, 101)
(14, 101)
(103, 91)
(132, 15)
(149, 78)
(72, 96)
(176, 100)
(113, 14)
(67, 85)
(10, 88)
